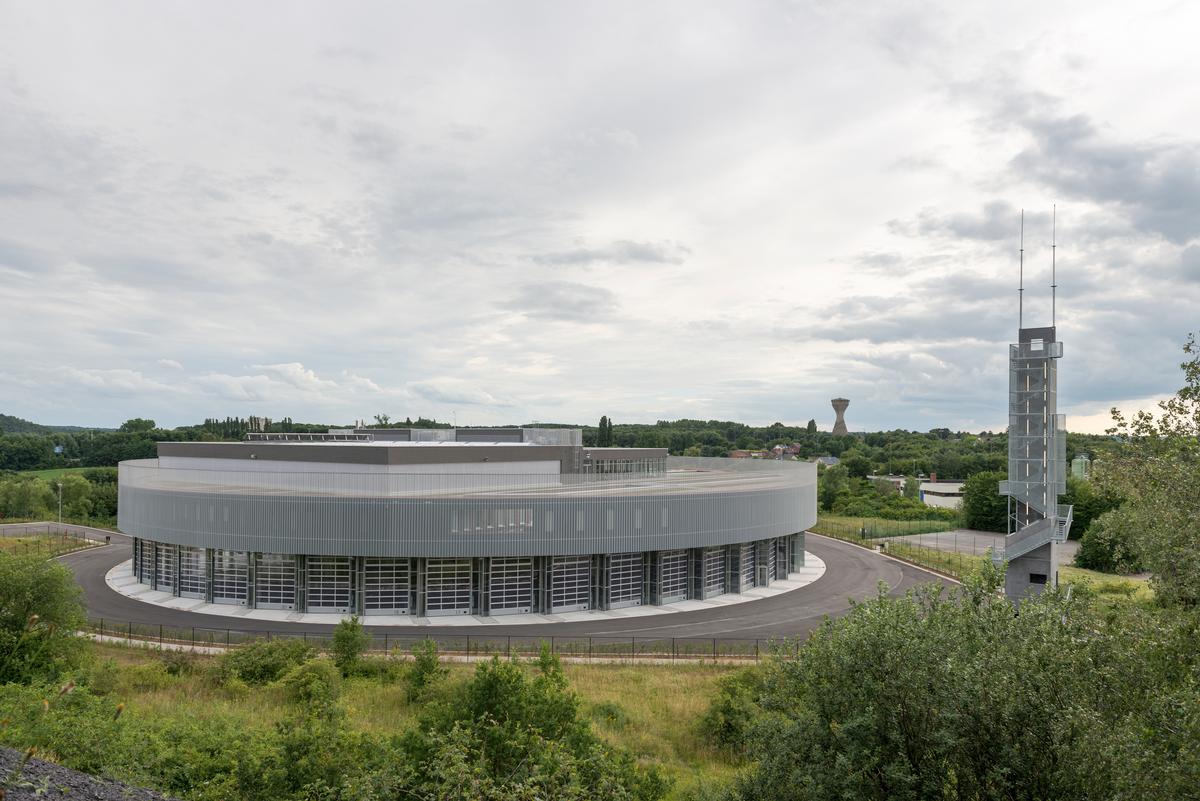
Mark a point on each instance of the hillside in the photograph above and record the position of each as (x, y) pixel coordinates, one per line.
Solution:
(17, 425)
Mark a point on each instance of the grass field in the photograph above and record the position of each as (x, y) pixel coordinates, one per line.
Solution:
(53, 472)
(845, 527)
(652, 711)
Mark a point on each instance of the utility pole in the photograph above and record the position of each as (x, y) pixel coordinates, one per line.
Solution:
(59, 507)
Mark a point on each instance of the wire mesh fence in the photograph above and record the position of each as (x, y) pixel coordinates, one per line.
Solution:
(466, 646)
(47, 544)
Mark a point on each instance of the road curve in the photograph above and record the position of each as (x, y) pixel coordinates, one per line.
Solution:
(851, 573)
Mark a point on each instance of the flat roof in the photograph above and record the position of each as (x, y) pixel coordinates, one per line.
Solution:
(724, 476)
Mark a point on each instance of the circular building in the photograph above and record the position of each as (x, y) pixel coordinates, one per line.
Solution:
(456, 522)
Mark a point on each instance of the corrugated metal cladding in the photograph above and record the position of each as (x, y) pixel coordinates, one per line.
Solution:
(697, 503)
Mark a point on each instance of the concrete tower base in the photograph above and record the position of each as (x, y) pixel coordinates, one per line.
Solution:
(1032, 573)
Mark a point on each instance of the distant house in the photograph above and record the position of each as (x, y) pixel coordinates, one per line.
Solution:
(943, 494)
(828, 461)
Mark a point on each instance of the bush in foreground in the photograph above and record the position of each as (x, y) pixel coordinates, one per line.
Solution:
(264, 661)
(40, 612)
(953, 694)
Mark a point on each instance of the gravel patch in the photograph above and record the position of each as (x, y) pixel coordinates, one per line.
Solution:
(40, 781)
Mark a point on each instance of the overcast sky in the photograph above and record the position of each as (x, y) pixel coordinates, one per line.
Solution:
(508, 212)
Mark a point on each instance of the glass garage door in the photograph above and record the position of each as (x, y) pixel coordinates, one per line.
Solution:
(674, 574)
(714, 571)
(328, 583)
(510, 585)
(781, 559)
(772, 560)
(448, 586)
(385, 586)
(230, 570)
(145, 563)
(164, 567)
(624, 580)
(749, 563)
(275, 581)
(570, 583)
(193, 572)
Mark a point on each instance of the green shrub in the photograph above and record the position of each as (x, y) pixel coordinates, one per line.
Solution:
(179, 663)
(264, 661)
(735, 709)
(610, 715)
(382, 668)
(1107, 545)
(424, 671)
(317, 682)
(39, 615)
(102, 677)
(350, 641)
(147, 677)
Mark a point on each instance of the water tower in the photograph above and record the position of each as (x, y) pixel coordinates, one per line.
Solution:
(839, 406)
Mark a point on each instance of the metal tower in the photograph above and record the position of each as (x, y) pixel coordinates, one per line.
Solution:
(1037, 463)
(839, 406)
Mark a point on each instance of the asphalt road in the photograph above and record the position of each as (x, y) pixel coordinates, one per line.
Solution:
(851, 573)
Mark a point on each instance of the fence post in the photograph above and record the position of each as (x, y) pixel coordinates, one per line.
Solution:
(129, 638)
(386, 650)
(468, 647)
(589, 649)
(160, 636)
(227, 638)
(193, 638)
(756, 649)
(554, 651)
(632, 648)
(714, 649)
(672, 650)
(508, 647)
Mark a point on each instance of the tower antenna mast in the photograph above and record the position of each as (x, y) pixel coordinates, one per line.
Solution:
(1021, 284)
(1053, 265)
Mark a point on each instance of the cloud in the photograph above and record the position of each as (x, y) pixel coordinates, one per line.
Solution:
(237, 388)
(564, 301)
(298, 376)
(1157, 182)
(455, 391)
(1190, 262)
(491, 208)
(619, 252)
(374, 143)
(120, 383)
(997, 221)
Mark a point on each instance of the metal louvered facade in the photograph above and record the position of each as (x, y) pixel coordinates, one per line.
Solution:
(375, 541)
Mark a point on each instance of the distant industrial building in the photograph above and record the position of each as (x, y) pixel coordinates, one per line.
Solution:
(942, 494)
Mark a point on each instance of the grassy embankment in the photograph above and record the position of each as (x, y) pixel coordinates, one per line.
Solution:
(652, 711)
